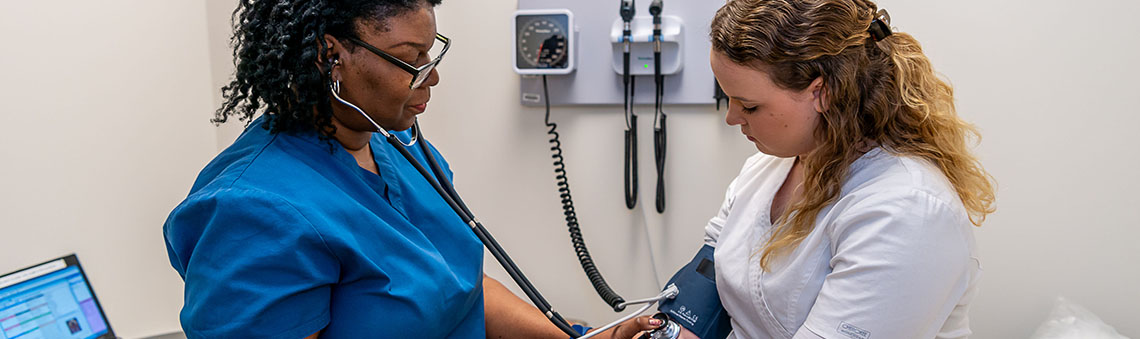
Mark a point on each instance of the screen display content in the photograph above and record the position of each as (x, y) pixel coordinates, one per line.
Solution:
(50, 301)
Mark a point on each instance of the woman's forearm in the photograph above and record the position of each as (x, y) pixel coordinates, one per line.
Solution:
(511, 317)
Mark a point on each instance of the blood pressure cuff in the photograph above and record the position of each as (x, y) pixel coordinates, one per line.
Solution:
(697, 305)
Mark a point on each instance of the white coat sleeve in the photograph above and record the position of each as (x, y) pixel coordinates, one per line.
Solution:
(716, 224)
(900, 262)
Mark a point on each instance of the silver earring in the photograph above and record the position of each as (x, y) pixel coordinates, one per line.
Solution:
(335, 84)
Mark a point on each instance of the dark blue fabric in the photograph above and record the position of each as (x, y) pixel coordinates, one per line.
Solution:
(281, 237)
(581, 329)
(697, 305)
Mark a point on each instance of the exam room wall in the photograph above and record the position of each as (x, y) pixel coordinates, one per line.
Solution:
(1055, 108)
(105, 109)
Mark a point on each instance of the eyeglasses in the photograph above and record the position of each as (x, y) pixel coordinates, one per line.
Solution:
(419, 74)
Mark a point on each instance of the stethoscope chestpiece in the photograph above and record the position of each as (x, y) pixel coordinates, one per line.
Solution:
(669, 329)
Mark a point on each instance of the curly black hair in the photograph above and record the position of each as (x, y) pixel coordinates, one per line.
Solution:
(277, 47)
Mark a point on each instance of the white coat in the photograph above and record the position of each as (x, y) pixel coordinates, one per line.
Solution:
(893, 257)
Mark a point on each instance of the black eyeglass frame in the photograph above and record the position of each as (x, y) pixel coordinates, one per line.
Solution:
(419, 74)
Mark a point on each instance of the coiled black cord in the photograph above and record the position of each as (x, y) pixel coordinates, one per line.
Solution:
(596, 279)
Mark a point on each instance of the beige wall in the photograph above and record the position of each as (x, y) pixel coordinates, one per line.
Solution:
(106, 110)
(105, 107)
(1054, 91)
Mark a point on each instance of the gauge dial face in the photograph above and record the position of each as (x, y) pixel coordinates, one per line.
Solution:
(542, 42)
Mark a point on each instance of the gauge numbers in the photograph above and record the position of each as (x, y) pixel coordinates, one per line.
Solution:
(542, 43)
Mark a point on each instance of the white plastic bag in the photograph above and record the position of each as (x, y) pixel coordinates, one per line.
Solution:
(1071, 321)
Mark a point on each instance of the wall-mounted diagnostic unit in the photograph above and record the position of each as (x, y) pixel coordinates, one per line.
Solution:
(589, 70)
(672, 39)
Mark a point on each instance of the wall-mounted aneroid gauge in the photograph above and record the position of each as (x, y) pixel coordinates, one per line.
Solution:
(543, 44)
(544, 41)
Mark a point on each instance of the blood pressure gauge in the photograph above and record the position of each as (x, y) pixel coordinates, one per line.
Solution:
(544, 41)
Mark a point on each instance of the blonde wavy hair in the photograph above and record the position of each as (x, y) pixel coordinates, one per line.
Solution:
(885, 92)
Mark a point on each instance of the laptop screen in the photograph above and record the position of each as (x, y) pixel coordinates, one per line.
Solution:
(49, 301)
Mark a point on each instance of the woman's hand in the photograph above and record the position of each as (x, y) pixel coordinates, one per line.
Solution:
(685, 334)
(630, 329)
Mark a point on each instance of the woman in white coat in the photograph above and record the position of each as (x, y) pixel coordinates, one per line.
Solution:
(855, 219)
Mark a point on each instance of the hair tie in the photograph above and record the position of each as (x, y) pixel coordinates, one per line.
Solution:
(881, 26)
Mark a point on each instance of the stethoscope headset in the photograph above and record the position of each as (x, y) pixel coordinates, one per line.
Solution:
(438, 180)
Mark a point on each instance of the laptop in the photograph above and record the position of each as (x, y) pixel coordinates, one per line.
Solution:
(52, 300)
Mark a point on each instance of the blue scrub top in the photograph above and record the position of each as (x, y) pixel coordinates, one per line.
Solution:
(283, 236)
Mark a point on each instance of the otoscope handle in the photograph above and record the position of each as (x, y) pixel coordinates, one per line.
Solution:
(655, 9)
(625, 66)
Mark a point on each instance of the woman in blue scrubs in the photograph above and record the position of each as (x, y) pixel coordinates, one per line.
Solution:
(310, 225)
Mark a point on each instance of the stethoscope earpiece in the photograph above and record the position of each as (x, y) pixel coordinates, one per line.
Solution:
(334, 88)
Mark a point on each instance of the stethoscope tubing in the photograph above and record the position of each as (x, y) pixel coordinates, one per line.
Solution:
(448, 194)
(446, 191)
(449, 189)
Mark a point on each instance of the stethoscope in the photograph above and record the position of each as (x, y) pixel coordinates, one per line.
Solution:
(438, 180)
